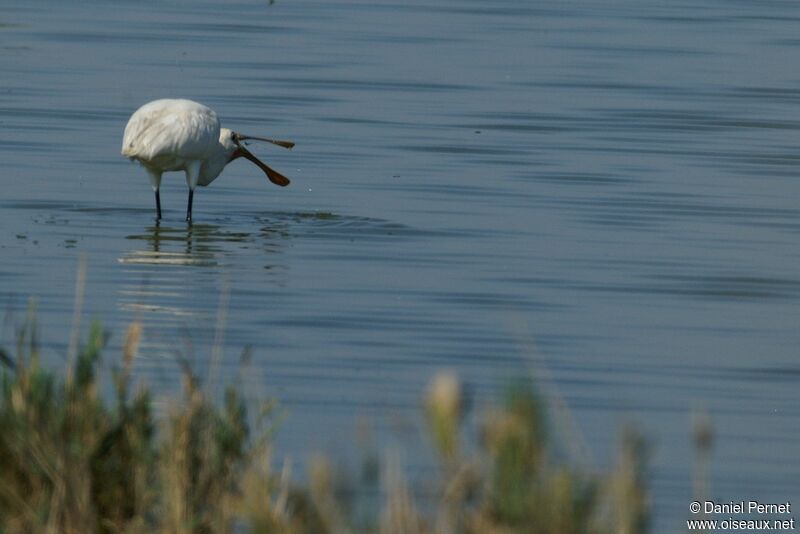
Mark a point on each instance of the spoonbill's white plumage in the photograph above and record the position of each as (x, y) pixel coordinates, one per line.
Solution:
(182, 135)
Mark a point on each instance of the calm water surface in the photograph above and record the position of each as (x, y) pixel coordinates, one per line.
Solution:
(603, 194)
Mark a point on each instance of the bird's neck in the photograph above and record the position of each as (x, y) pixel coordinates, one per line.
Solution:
(213, 166)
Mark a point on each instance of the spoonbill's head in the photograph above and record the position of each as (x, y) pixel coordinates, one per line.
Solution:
(233, 144)
(228, 140)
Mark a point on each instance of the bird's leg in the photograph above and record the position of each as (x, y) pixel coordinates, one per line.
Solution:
(155, 183)
(158, 206)
(189, 207)
(192, 177)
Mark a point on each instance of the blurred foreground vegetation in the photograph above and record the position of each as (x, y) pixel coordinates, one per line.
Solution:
(75, 461)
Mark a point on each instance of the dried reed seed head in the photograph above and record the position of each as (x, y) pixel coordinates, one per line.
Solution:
(443, 396)
(131, 346)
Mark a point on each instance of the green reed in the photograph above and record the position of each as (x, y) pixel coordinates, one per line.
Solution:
(75, 461)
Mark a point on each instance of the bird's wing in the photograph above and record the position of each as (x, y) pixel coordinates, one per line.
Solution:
(180, 128)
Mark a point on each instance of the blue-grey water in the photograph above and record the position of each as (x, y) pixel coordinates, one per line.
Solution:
(601, 194)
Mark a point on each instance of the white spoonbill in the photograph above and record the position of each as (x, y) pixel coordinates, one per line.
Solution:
(182, 135)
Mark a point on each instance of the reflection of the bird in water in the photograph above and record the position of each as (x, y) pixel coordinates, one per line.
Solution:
(202, 245)
(197, 244)
(166, 292)
(177, 275)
